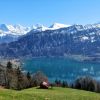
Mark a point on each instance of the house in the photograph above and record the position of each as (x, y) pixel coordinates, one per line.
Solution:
(44, 85)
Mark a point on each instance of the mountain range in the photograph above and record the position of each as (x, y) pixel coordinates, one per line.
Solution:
(9, 33)
(56, 40)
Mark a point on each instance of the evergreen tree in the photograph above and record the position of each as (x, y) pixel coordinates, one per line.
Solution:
(9, 71)
(19, 79)
(28, 76)
(9, 65)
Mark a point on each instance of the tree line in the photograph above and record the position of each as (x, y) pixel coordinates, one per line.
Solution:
(14, 78)
(83, 83)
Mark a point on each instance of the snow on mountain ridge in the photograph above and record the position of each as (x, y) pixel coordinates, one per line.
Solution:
(39, 27)
(13, 30)
(19, 30)
(58, 25)
(4, 27)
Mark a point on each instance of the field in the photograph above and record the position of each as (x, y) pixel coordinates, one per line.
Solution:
(50, 94)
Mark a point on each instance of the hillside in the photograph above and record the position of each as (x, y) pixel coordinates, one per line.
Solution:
(51, 94)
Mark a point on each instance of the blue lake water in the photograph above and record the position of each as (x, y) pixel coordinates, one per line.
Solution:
(62, 68)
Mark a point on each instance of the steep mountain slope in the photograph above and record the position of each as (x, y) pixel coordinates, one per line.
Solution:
(76, 39)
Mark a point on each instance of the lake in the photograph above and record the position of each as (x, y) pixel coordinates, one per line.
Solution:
(62, 68)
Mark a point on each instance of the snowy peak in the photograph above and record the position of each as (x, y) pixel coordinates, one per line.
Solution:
(90, 26)
(13, 29)
(4, 27)
(40, 27)
(21, 29)
(18, 30)
(97, 25)
(58, 25)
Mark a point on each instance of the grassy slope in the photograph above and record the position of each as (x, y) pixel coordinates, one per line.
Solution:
(51, 94)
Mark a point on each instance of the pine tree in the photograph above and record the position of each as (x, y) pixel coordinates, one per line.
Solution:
(9, 71)
(28, 76)
(9, 65)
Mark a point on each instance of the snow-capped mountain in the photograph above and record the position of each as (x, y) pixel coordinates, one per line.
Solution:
(13, 29)
(74, 39)
(39, 28)
(21, 30)
(9, 33)
(58, 25)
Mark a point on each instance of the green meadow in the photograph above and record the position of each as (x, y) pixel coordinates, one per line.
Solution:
(56, 93)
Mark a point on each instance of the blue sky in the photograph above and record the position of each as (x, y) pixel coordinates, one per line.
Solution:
(28, 12)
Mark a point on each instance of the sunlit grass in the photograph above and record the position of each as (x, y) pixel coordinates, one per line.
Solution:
(50, 94)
